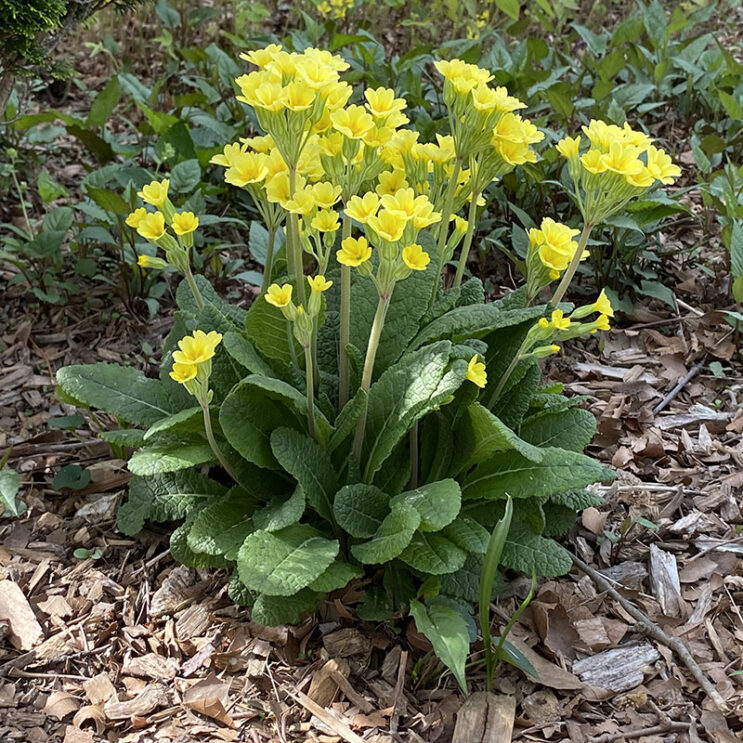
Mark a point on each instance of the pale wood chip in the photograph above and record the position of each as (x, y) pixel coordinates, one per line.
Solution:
(152, 666)
(99, 689)
(620, 669)
(485, 718)
(25, 630)
(151, 697)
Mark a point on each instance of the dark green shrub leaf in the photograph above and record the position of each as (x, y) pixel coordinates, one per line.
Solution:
(437, 503)
(391, 538)
(433, 554)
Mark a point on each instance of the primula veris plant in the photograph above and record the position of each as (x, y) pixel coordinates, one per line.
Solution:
(361, 421)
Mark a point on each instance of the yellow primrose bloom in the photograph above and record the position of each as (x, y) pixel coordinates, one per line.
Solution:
(622, 159)
(148, 261)
(354, 251)
(155, 193)
(275, 163)
(267, 96)
(184, 223)
(246, 168)
(331, 144)
(298, 96)
(543, 323)
(643, 179)
(315, 74)
(183, 373)
(136, 217)
(303, 202)
(319, 283)
(415, 258)
(326, 194)
(476, 372)
(661, 167)
(388, 225)
(601, 134)
(391, 181)
(283, 64)
(353, 122)
(559, 322)
(515, 153)
(460, 224)
(555, 244)
(593, 162)
(381, 102)
(337, 95)
(637, 139)
(279, 296)
(603, 305)
(568, 147)
(229, 155)
(361, 208)
(326, 220)
(484, 98)
(602, 323)
(378, 136)
(263, 143)
(152, 227)
(330, 60)
(506, 103)
(261, 57)
(197, 348)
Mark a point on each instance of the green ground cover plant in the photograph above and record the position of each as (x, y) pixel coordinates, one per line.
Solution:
(369, 418)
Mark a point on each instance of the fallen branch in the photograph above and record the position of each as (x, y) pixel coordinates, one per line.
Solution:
(655, 730)
(649, 628)
(663, 404)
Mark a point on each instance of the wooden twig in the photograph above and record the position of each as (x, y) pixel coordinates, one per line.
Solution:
(663, 404)
(649, 628)
(655, 730)
(398, 708)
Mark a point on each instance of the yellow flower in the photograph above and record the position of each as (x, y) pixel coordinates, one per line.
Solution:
(661, 167)
(197, 348)
(315, 75)
(381, 102)
(506, 103)
(515, 153)
(148, 261)
(391, 181)
(388, 225)
(559, 322)
(543, 323)
(592, 162)
(362, 208)
(460, 224)
(279, 296)
(326, 220)
(268, 96)
(261, 57)
(298, 96)
(568, 146)
(622, 159)
(229, 155)
(555, 244)
(303, 202)
(602, 323)
(155, 193)
(603, 305)
(354, 251)
(643, 179)
(152, 227)
(136, 217)
(337, 95)
(463, 76)
(183, 373)
(415, 258)
(326, 194)
(184, 223)
(476, 372)
(247, 167)
(484, 98)
(319, 283)
(353, 122)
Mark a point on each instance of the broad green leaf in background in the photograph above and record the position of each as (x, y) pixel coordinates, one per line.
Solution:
(391, 538)
(360, 509)
(222, 527)
(437, 503)
(10, 484)
(433, 554)
(570, 429)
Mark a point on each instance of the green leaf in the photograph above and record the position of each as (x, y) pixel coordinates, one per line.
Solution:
(465, 582)
(181, 552)
(165, 497)
(281, 512)
(10, 484)
(437, 503)
(731, 104)
(577, 499)
(346, 421)
(391, 538)
(736, 248)
(509, 473)
(533, 553)
(360, 509)
(270, 332)
(511, 8)
(310, 465)
(222, 527)
(480, 434)
(119, 390)
(282, 563)
(244, 352)
(48, 188)
(165, 424)
(103, 103)
(72, 477)
(467, 534)
(154, 460)
(273, 611)
(447, 631)
(414, 386)
(338, 575)
(570, 429)
(185, 176)
(433, 554)
(474, 321)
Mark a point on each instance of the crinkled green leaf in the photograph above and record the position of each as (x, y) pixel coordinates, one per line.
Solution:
(437, 503)
(222, 526)
(283, 562)
(391, 538)
(533, 553)
(245, 353)
(570, 429)
(165, 424)
(154, 460)
(181, 552)
(360, 509)
(273, 611)
(337, 575)
(468, 534)
(281, 512)
(270, 332)
(433, 554)
(10, 484)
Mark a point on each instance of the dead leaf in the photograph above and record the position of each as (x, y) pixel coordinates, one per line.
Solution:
(60, 704)
(25, 631)
(210, 697)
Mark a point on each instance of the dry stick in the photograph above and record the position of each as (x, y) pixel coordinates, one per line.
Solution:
(397, 707)
(656, 729)
(663, 404)
(648, 627)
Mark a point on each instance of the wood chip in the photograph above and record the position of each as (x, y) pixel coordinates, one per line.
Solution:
(152, 666)
(664, 578)
(485, 718)
(618, 670)
(151, 697)
(60, 704)
(99, 689)
(210, 697)
(25, 630)
(346, 642)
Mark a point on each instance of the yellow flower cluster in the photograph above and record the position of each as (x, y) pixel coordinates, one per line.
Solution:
(555, 246)
(192, 361)
(303, 321)
(619, 164)
(152, 226)
(335, 9)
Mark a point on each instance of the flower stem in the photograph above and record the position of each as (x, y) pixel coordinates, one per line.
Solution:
(467, 244)
(414, 454)
(371, 355)
(310, 389)
(573, 267)
(345, 323)
(502, 381)
(194, 288)
(294, 248)
(444, 228)
(268, 266)
(213, 443)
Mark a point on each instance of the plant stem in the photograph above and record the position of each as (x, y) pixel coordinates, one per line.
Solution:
(21, 198)
(502, 381)
(366, 379)
(294, 248)
(268, 266)
(213, 443)
(467, 244)
(414, 454)
(444, 228)
(194, 288)
(573, 267)
(310, 389)
(345, 323)
(514, 618)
